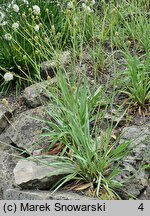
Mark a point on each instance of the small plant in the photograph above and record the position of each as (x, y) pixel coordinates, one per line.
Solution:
(88, 156)
(136, 80)
(99, 58)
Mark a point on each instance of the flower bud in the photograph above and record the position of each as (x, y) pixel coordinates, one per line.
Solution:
(4, 102)
(128, 43)
(46, 10)
(116, 34)
(30, 10)
(53, 28)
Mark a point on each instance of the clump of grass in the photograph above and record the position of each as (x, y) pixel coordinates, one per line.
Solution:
(88, 156)
(136, 82)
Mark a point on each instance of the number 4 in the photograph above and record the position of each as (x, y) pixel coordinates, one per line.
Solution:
(141, 207)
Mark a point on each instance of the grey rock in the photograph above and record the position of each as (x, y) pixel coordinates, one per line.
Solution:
(36, 94)
(16, 194)
(48, 68)
(140, 120)
(145, 195)
(8, 160)
(34, 173)
(5, 115)
(140, 136)
(134, 175)
(136, 132)
(25, 130)
(134, 184)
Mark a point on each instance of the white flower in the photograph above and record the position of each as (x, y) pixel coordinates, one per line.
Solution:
(88, 9)
(70, 5)
(3, 23)
(36, 10)
(15, 25)
(8, 76)
(2, 15)
(36, 28)
(93, 2)
(15, 8)
(8, 36)
(10, 4)
(84, 6)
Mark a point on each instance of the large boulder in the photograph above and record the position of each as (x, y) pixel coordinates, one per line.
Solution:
(25, 130)
(135, 167)
(35, 173)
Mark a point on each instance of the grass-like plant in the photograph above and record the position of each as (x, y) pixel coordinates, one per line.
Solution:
(129, 23)
(33, 32)
(136, 80)
(88, 155)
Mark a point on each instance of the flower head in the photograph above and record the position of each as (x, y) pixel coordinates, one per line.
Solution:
(2, 15)
(70, 5)
(86, 8)
(83, 5)
(46, 39)
(36, 28)
(36, 10)
(116, 34)
(5, 102)
(8, 76)
(10, 4)
(36, 38)
(53, 28)
(8, 36)
(15, 8)
(93, 2)
(15, 25)
(23, 15)
(3, 23)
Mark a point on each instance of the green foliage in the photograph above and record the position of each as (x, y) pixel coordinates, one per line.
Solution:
(39, 35)
(88, 155)
(77, 110)
(136, 80)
